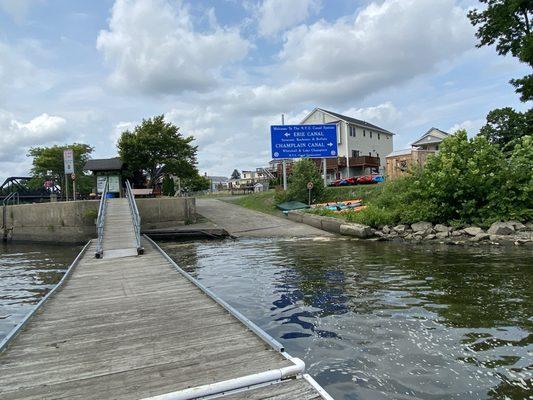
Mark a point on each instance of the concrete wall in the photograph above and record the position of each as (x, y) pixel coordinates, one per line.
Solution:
(166, 212)
(74, 221)
(64, 222)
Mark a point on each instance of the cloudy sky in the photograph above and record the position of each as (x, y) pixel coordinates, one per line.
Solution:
(224, 70)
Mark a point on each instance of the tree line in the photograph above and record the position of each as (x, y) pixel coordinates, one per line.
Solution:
(154, 153)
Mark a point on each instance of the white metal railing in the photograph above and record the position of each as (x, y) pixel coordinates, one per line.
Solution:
(135, 216)
(12, 198)
(101, 221)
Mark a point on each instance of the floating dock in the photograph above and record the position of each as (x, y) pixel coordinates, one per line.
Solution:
(128, 326)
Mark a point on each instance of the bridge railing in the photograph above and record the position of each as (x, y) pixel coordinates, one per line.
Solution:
(135, 217)
(101, 220)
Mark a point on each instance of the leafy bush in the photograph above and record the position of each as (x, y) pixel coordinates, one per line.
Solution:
(468, 181)
(168, 188)
(303, 171)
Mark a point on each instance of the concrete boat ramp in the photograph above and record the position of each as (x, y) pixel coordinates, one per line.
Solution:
(139, 327)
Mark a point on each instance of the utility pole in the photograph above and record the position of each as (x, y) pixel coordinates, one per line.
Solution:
(324, 166)
(283, 162)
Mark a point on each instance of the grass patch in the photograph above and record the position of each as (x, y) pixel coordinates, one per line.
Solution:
(262, 202)
(364, 192)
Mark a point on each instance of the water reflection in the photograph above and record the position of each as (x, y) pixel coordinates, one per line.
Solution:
(27, 273)
(384, 320)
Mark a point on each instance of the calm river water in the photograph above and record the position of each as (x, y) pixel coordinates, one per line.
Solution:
(27, 273)
(383, 320)
(371, 320)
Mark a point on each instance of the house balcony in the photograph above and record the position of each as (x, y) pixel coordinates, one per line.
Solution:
(360, 161)
(333, 164)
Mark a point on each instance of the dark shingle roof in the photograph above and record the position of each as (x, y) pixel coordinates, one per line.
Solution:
(356, 121)
(104, 164)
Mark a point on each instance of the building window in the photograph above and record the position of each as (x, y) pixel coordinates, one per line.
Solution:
(370, 134)
(370, 153)
(355, 153)
(364, 133)
(352, 131)
(379, 137)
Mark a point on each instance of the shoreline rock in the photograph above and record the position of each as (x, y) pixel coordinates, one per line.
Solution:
(499, 233)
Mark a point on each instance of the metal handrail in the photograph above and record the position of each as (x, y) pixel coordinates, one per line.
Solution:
(136, 217)
(10, 198)
(101, 220)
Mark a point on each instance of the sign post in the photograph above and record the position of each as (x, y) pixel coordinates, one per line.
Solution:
(284, 162)
(310, 186)
(73, 177)
(68, 161)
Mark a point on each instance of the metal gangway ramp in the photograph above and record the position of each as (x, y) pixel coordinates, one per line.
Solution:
(139, 327)
(118, 226)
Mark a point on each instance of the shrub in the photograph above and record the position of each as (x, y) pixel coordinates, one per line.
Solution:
(468, 181)
(303, 171)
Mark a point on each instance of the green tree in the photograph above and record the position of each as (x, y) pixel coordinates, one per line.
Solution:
(468, 181)
(196, 183)
(505, 126)
(168, 186)
(235, 174)
(50, 159)
(303, 172)
(508, 23)
(156, 148)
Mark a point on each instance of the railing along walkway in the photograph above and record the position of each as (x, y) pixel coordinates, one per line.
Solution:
(140, 327)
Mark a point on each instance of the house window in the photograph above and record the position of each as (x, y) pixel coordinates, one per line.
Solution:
(370, 153)
(355, 153)
(352, 131)
(364, 133)
(370, 134)
(379, 136)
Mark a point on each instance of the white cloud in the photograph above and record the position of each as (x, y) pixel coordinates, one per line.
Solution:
(385, 115)
(16, 137)
(153, 47)
(17, 9)
(275, 16)
(472, 127)
(383, 45)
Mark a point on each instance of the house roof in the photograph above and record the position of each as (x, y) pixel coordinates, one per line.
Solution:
(355, 121)
(402, 152)
(433, 135)
(218, 178)
(104, 164)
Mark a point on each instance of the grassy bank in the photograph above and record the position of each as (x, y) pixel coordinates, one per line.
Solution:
(264, 202)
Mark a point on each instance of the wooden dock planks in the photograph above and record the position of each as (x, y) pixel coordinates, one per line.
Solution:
(130, 327)
(133, 327)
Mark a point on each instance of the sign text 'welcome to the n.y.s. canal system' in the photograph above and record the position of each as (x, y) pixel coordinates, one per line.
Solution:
(296, 141)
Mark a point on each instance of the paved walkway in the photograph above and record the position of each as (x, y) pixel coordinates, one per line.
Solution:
(242, 222)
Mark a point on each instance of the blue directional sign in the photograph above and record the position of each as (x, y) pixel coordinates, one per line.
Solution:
(295, 141)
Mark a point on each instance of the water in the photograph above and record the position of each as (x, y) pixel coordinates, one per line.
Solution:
(383, 320)
(27, 273)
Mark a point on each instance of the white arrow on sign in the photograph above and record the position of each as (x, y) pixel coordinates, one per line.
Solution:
(287, 134)
(330, 144)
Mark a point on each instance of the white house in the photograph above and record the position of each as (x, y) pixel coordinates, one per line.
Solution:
(362, 146)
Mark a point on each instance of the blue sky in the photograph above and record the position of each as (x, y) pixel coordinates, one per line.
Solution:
(224, 70)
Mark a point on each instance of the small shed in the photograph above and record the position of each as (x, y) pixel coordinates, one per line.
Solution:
(259, 187)
(106, 168)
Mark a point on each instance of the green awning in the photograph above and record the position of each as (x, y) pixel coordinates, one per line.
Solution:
(292, 205)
